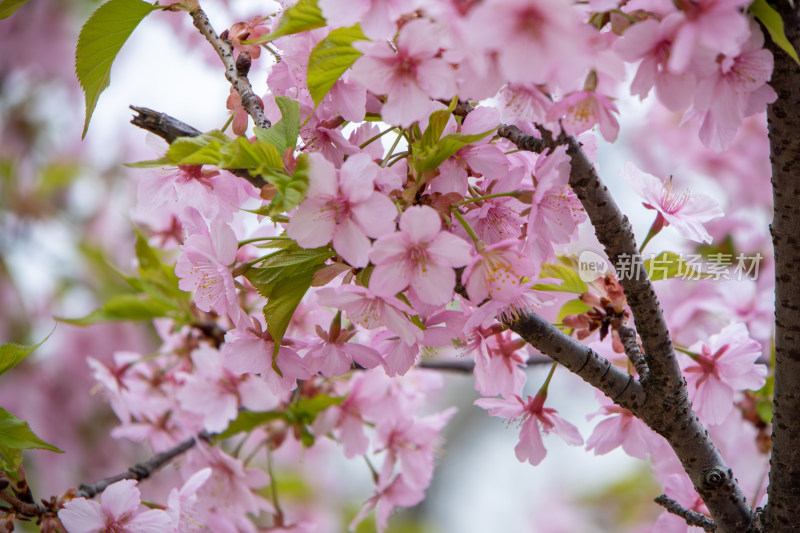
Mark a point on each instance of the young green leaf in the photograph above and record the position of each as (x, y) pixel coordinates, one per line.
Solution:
(125, 307)
(436, 124)
(100, 41)
(772, 20)
(571, 281)
(305, 15)
(572, 307)
(332, 56)
(283, 301)
(11, 354)
(203, 149)
(247, 421)
(16, 435)
(7, 7)
(668, 265)
(284, 133)
(291, 190)
(434, 156)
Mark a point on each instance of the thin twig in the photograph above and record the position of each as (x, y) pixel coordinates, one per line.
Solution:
(141, 470)
(467, 365)
(692, 518)
(241, 84)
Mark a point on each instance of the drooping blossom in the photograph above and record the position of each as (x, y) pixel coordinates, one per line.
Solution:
(333, 355)
(420, 256)
(680, 209)
(723, 365)
(535, 419)
(343, 207)
(183, 506)
(620, 428)
(372, 311)
(120, 510)
(389, 494)
(499, 368)
(410, 75)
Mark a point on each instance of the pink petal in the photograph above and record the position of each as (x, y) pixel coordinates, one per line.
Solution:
(421, 223)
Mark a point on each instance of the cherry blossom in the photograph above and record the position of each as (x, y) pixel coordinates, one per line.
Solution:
(119, 509)
(680, 209)
(420, 256)
(535, 419)
(582, 110)
(723, 365)
(342, 206)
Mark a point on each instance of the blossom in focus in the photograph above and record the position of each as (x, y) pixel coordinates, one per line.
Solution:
(535, 419)
(420, 256)
(680, 209)
(723, 364)
(119, 510)
(342, 206)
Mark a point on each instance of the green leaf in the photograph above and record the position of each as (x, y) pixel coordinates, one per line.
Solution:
(124, 307)
(772, 20)
(571, 281)
(668, 265)
(147, 257)
(100, 41)
(247, 421)
(432, 157)
(10, 459)
(436, 124)
(572, 307)
(284, 133)
(257, 156)
(203, 149)
(332, 56)
(291, 190)
(16, 435)
(7, 7)
(305, 15)
(12, 354)
(283, 301)
(764, 410)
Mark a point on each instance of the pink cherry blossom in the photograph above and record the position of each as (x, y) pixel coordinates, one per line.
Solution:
(683, 211)
(410, 76)
(620, 428)
(377, 17)
(372, 311)
(183, 506)
(496, 272)
(582, 110)
(535, 420)
(499, 367)
(420, 256)
(204, 266)
(723, 365)
(120, 510)
(332, 355)
(342, 206)
(388, 496)
(250, 350)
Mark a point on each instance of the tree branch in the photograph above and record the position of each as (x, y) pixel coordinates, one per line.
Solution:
(692, 518)
(240, 83)
(141, 470)
(467, 365)
(784, 140)
(169, 129)
(661, 400)
(628, 337)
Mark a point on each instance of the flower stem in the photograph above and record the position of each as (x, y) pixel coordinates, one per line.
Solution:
(466, 226)
(257, 239)
(543, 389)
(512, 194)
(374, 138)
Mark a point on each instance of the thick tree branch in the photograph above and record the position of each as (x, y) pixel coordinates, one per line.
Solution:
(692, 518)
(784, 137)
(138, 471)
(240, 83)
(633, 351)
(169, 129)
(661, 400)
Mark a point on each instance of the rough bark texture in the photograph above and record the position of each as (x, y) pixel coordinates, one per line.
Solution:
(663, 402)
(784, 134)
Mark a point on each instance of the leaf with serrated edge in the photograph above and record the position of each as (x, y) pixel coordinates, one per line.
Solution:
(11, 354)
(100, 40)
(16, 435)
(284, 133)
(772, 20)
(305, 15)
(571, 281)
(332, 56)
(8, 7)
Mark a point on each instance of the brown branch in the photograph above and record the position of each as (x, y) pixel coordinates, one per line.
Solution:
(169, 129)
(141, 470)
(240, 83)
(692, 518)
(664, 405)
(784, 139)
(467, 365)
(632, 349)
